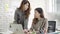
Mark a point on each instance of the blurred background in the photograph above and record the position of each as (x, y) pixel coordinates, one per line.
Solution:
(7, 9)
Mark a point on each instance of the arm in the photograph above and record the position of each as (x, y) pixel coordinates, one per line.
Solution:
(15, 17)
(25, 26)
(25, 23)
(46, 26)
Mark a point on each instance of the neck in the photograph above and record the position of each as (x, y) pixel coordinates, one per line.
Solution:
(39, 18)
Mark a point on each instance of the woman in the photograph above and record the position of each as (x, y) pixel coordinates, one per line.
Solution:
(22, 14)
(39, 24)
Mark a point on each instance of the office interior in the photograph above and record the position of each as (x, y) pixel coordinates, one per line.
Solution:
(51, 11)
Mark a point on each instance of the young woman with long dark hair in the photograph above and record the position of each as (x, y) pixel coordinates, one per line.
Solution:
(22, 14)
(39, 24)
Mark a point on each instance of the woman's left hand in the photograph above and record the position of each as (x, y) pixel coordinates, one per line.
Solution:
(45, 31)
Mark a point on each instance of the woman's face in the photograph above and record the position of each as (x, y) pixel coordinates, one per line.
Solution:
(36, 15)
(26, 6)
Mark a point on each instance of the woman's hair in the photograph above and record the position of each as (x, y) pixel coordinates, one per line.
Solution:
(27, 12)
(40, 11)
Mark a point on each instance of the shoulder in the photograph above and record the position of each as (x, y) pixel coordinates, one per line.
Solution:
(41, 19)
(17, 11)
(45, 18)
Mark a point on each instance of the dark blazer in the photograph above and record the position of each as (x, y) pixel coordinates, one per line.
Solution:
(20, 18)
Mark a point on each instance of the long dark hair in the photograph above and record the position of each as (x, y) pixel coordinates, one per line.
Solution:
(40, 11)
(27, 12)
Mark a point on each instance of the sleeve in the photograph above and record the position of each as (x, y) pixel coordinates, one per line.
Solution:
(46, 24)
(15, 17)
(25, 24)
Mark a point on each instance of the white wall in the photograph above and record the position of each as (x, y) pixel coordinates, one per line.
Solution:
(7, 9)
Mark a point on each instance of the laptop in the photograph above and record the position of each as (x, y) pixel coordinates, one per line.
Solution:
(16, 28)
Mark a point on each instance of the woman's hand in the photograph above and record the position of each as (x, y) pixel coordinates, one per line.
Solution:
(29, 33)
(25, 31)
(45, 31)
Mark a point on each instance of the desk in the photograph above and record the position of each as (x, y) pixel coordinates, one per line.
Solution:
(54, 33)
